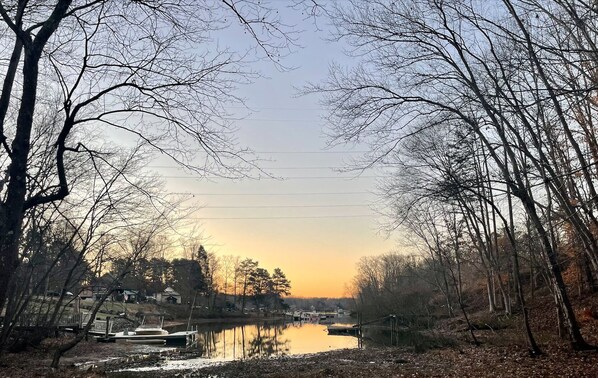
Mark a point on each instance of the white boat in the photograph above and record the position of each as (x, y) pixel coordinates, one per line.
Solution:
(151, 334)
(184, 337)
(310, 316)
(150, 331)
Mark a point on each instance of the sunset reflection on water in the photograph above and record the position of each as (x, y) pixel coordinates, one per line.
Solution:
(220, 342)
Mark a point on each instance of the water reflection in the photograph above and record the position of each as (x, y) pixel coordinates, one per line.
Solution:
(228, 342)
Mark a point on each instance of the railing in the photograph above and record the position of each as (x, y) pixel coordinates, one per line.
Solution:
(38, 320)
(100, 326)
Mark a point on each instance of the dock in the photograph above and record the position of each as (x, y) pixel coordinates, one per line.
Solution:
(175, 338)
(350, 330)
(143, 334)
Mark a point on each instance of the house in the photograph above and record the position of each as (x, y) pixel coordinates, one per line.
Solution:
(125, 295)
(130, 296)
(93, 292)
(169, 296)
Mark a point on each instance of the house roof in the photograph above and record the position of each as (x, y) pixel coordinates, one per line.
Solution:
(170, 291)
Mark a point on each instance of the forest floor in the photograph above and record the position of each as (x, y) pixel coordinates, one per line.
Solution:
(447, 351)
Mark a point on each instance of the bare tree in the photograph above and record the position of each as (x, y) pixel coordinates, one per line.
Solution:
(66, 241)
(137, 246)
(143, 70)
(228, 265)
(426, 65)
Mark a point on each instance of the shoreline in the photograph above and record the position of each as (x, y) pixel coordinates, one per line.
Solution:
(235, 319)
(444, 352)
(92, 359)
(460, 361)
(177, 323)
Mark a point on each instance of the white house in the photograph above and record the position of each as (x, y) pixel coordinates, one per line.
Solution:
(169, 296)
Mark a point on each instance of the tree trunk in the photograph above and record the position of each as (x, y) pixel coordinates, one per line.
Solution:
(556, 281)
(491, 305)
(588, 273)
(12, 212)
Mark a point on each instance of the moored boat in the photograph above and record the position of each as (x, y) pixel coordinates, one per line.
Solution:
(150, 331)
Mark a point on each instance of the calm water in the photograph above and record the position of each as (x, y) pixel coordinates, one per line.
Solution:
(226, 342)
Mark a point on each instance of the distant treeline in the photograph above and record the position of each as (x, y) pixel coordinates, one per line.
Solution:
(320, 304)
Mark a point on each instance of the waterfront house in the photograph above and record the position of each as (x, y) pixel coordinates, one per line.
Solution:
(169, 296)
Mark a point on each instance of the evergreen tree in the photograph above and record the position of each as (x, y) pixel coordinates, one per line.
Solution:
(281, 286)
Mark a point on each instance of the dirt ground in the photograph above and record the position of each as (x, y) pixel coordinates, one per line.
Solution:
(465, 361)
(461, 360)
(35, 362)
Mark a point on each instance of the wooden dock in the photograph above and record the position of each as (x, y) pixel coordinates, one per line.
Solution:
(36, 322)
(175, 338)
(350, 330)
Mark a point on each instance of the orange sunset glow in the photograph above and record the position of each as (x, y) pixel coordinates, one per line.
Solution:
(302, 210)
(318, 257)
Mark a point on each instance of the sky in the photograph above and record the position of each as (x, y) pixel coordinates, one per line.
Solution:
(312, 221)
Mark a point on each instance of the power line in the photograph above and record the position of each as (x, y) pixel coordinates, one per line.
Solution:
(282, 178)
(271, 194)
(258, 108)
(263, 168)
(279, 206)
(313, 121)
(311, 152)
(285, 217)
